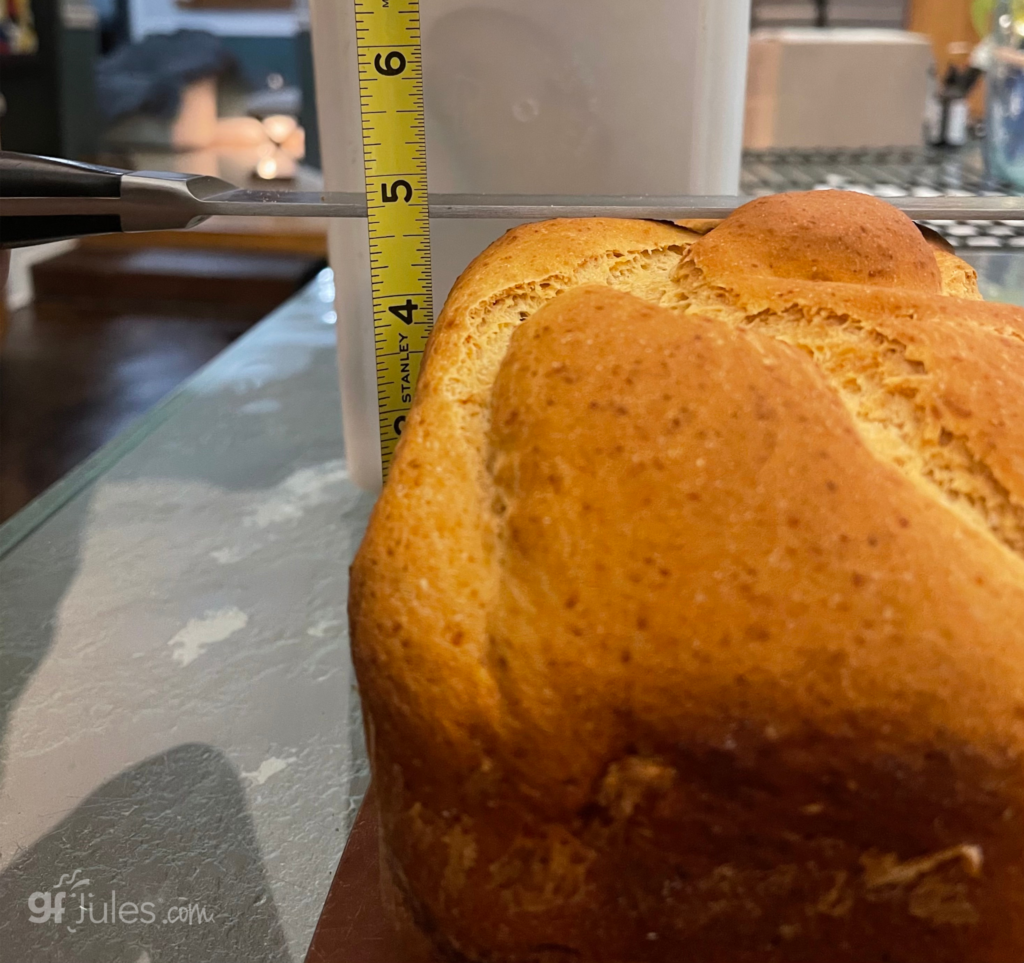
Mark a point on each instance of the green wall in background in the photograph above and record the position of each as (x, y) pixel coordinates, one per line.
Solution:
(259, 56)
(79, 117)
(304, 49)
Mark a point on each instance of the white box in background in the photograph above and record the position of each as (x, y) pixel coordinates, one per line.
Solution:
(810, 87)
(530, 96)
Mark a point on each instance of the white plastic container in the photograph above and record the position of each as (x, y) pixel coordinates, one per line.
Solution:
(532, 97)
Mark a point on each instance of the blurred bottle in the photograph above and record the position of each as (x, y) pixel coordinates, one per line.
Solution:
(947, 115)
(1005, 107)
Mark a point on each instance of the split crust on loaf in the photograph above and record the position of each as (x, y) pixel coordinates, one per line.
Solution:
(694, 604)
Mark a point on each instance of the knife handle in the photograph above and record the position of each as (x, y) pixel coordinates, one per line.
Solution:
(25, 175)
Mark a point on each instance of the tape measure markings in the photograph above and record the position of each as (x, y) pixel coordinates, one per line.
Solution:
(394, 154)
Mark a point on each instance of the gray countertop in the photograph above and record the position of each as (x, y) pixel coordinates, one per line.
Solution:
(178, 721)
(177, 711)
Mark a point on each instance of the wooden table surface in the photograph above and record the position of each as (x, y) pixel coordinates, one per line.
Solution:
(353, 926)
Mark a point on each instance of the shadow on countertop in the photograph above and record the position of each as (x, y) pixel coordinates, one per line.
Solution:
(171, 837)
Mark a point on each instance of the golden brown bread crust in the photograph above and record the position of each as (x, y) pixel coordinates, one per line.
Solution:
(824, 236)
(690, 619)
(959, 279)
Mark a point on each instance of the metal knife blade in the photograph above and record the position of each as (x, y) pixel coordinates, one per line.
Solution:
(181, 208)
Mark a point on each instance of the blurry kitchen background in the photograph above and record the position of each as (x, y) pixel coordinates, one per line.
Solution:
(95, 332)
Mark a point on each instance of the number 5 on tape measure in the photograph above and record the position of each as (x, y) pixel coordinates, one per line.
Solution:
(395, 159)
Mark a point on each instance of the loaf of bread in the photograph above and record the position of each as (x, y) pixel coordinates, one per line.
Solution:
(689, 626)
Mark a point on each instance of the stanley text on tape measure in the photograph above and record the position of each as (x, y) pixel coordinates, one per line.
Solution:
(395, 159)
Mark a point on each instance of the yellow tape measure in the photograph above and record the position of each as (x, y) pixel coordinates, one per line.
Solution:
(395, 158)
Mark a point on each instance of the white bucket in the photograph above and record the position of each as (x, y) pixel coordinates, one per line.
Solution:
(531, 97)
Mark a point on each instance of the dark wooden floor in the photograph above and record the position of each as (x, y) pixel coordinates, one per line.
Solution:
(72, 377)
(75, 371)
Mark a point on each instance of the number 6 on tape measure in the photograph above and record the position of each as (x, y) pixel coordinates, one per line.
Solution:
(395, 160)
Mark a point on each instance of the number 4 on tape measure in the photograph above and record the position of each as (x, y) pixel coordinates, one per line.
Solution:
(395, 159)
(404, 312)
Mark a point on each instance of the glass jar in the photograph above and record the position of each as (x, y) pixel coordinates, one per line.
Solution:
(1005, 104)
